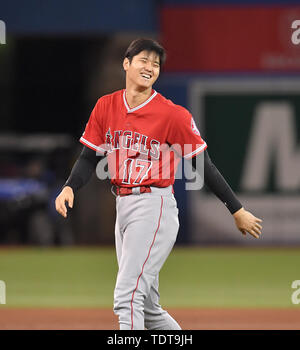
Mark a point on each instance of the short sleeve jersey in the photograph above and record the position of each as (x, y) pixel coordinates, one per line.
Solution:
(144, 144)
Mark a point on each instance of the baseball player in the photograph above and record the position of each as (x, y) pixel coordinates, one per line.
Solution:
(136, 128)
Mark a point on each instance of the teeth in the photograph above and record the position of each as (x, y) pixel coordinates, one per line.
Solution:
(146, 76)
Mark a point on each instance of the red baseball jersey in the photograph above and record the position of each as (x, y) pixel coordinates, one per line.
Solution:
(144, 144)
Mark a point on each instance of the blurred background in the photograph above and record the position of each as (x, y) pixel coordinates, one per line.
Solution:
(231, 63)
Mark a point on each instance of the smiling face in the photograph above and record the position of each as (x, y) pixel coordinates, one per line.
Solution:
(143, 70)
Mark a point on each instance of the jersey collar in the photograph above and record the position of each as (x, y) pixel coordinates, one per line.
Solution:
(130, 110)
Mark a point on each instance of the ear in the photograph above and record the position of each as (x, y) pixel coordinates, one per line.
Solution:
(126, 64)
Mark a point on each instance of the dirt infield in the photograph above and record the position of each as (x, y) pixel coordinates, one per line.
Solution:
(104, 319)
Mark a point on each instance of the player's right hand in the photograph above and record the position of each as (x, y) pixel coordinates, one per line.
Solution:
(66, 195)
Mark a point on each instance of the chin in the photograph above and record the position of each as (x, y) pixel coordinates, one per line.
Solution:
(144, 86)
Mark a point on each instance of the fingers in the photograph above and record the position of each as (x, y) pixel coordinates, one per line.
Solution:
(61, 208)
(257, 230)
(60, 204)
(251, 232)
(71, 203)
(258, 226)
(254, 233)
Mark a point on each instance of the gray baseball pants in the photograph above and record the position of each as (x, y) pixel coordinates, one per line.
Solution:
(145, 232)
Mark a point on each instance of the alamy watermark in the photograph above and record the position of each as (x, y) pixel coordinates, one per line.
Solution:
(132, 164)
(295, 38)
(296, 294)
(2, 292)
(2, 32)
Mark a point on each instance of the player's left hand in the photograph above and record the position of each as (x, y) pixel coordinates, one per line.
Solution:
(246, 222)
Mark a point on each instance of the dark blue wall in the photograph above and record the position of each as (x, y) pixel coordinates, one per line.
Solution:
(97, 16)
(77, 16)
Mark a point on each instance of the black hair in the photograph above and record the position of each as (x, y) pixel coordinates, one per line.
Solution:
(145, 44)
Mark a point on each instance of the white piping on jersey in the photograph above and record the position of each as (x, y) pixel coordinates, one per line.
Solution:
(199, 149)
(97, 148)
(129, 110)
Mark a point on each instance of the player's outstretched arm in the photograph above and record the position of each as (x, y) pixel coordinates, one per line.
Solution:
(244, 220)
(80, 175)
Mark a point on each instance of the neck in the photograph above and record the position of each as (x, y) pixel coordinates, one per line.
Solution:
(135, 97)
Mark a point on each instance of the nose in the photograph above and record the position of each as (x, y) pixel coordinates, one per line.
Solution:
(148, 66)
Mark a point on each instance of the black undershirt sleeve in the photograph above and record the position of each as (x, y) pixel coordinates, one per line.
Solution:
(218, 185)
(83, 169)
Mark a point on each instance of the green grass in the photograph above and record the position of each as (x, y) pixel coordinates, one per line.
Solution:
(230, 277)
(197, 277)
(58, 277)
